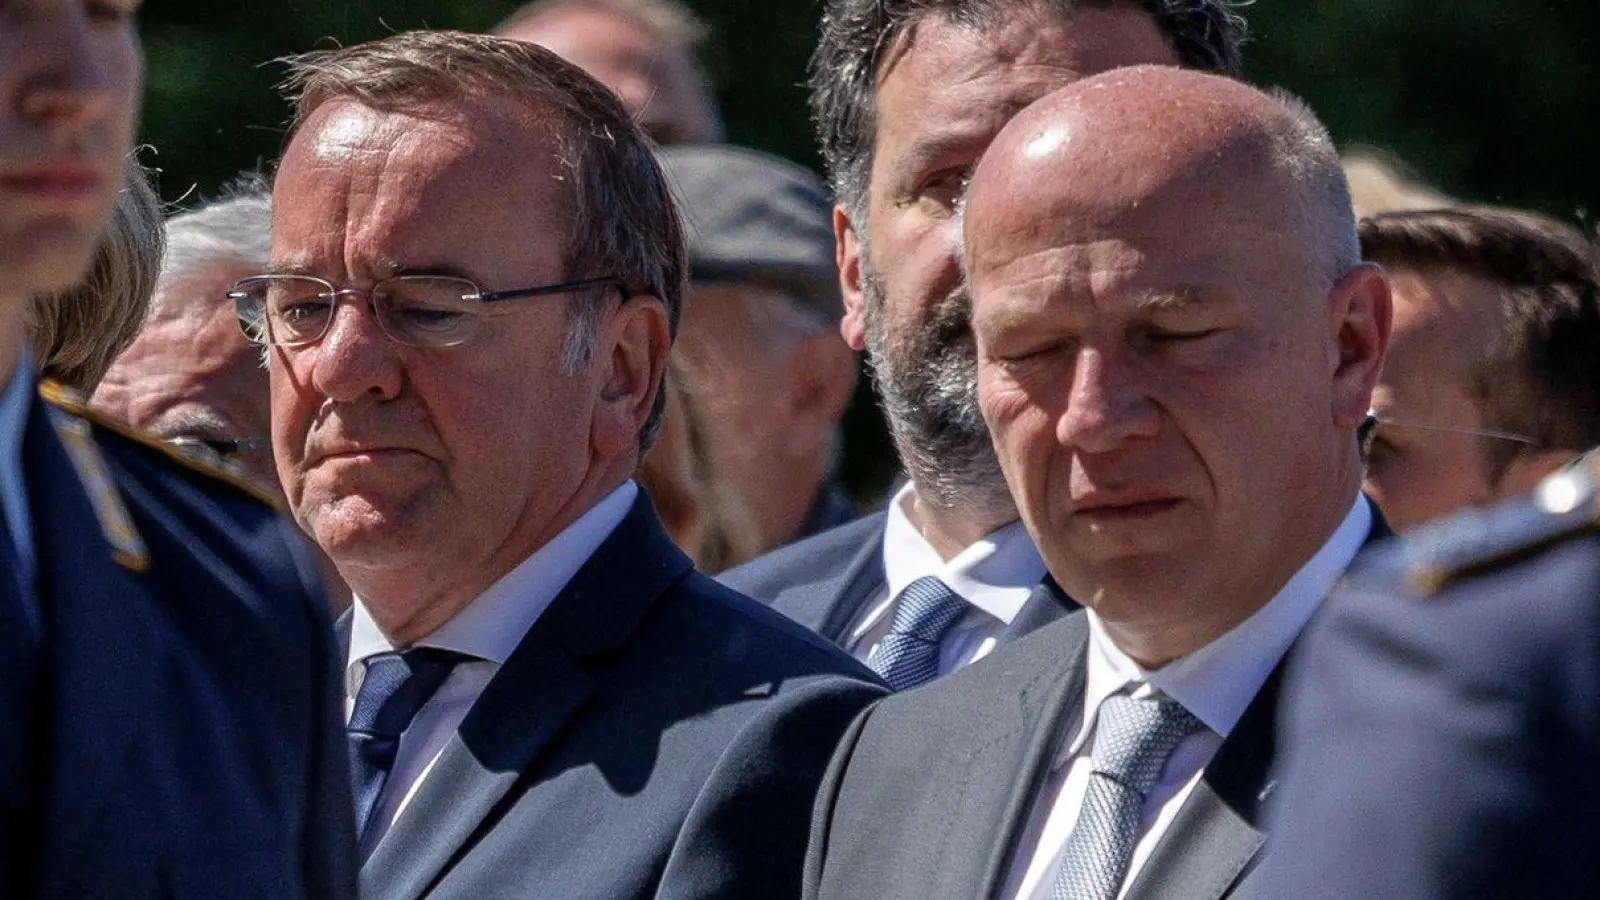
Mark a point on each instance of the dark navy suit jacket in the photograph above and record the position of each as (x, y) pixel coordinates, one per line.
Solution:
(185, 740)
(827, 581)
(654, 735)
(1445, 744)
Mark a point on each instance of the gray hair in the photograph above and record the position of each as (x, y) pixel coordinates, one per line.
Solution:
(1303, 150)
(235, 228)
(623, 219)
(1204, 34)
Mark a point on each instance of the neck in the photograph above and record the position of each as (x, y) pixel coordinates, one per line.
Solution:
(952, 529)
(1154, 633)
(412, 601)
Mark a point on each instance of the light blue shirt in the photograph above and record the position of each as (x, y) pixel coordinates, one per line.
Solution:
(15, 401)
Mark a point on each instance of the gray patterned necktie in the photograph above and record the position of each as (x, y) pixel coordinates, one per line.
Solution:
(1131, 744)
(908, 655)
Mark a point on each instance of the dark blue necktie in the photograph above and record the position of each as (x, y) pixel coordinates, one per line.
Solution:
(395, 687)
(908, 656)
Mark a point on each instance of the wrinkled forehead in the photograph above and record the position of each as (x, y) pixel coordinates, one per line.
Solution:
(402, 186)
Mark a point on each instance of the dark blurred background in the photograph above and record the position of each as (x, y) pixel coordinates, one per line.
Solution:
(1489, 100)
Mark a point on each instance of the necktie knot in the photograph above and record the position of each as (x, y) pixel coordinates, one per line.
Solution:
(925, 611)
(1134, 738)
(395, 688)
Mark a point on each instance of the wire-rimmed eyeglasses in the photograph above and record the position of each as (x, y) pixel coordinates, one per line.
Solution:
(1368, 431)
(417, 310)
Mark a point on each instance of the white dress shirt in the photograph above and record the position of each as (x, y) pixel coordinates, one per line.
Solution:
(488, 629)
(1216, 683)
(15, 400)
(995, 575)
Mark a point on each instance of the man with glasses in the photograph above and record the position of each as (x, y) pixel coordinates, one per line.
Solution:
(168, 709)
(476, 273)
(1491, 382)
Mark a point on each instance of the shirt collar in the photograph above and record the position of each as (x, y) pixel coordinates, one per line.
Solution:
(996, 574)
(492, 626)
(1217, 682)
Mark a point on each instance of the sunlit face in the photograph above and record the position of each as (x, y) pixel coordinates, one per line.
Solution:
(1444, 324)
(942, 96)
(191, 374)
(657, 84)
(429, 468)
(69, 77)
(1162, 375)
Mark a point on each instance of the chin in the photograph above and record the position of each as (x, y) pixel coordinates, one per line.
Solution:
(48, 261)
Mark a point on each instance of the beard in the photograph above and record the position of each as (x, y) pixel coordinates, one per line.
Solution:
(927, 380)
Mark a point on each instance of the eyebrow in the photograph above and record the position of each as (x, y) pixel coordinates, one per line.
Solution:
(932, 148)
(392, 270)
(1178, 300)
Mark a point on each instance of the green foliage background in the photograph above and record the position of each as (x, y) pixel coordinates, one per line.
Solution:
(1491, 100)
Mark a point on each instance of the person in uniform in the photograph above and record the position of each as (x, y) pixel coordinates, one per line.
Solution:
(1442, 729)
(168, 717)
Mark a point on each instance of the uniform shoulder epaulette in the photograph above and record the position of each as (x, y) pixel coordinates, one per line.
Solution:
(1564, 506)
(75, 405)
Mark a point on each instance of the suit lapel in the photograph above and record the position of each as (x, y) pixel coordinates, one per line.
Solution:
(847, 592)
(1046, 604)
(1218, 832)
(1045, 718)
(526, 705)
(101, 645)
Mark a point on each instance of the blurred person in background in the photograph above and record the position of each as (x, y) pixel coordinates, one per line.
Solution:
(644, 50)
(168, 706)
(764, 374)
(906, 95)
(1380, 183)
(189, 376)
(78, 332)
(477, 270)
(1442, 719)
(1493, 376)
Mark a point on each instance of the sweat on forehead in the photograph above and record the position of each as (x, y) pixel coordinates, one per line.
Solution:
(1110, 142)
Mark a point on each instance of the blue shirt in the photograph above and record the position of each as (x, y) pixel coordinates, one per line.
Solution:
(15, 401)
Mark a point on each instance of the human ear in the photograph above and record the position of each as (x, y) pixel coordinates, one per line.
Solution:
(847, 253)
(633, 352)
(1361, 308)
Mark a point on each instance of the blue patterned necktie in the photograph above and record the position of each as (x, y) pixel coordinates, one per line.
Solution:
(395, 687)
(1132, 742)
(908, 655)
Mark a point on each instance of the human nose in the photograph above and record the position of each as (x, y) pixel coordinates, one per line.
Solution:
(355, 358)
(1107, 405)
(73, 80)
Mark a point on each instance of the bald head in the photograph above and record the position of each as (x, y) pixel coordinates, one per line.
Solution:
(1176, 342)
(1103, 146)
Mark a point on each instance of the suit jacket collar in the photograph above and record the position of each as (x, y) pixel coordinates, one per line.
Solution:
(530, 700)
(1048, 603)
(849, 588)
(100, 644)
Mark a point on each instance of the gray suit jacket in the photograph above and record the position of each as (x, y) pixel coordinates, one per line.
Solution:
(654, 735)
(929, 791)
